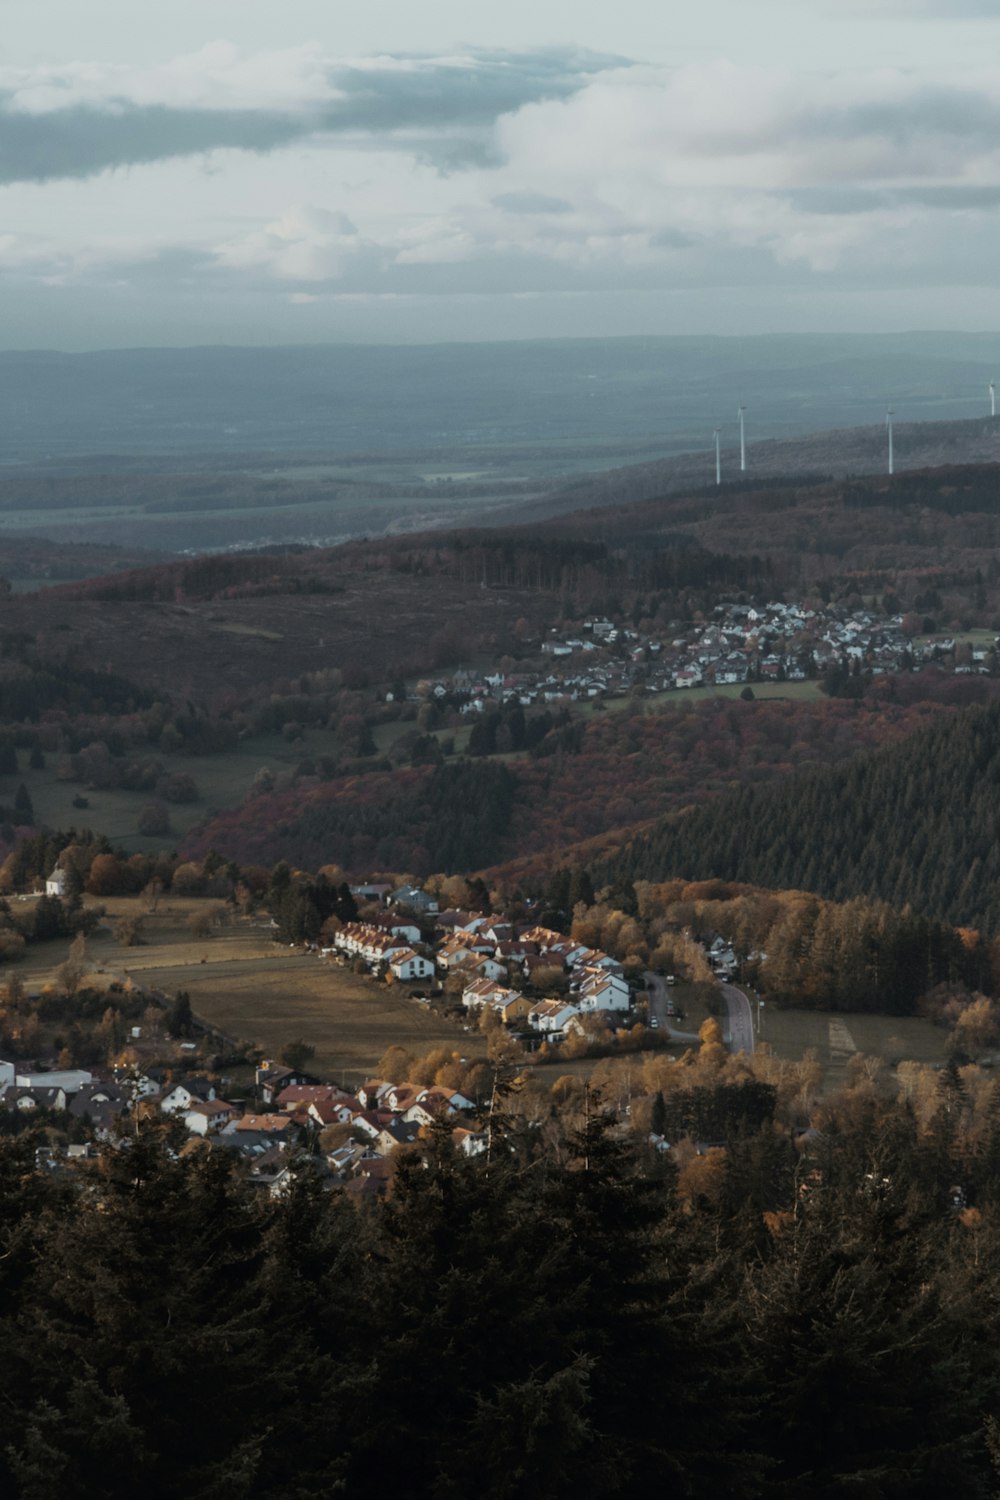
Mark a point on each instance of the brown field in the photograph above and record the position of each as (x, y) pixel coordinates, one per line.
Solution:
(249, 988)
(837, 1036)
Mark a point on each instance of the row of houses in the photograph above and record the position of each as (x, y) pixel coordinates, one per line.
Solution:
(493, 958)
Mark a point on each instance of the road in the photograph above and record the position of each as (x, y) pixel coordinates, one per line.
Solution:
(740, 1029)
(658, 991)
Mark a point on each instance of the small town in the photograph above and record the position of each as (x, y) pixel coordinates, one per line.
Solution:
(739, 644)
(527, 983)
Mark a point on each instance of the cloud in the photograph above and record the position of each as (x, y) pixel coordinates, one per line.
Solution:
(531, 203)
(916, 10)
(78, 120)
(605, 178)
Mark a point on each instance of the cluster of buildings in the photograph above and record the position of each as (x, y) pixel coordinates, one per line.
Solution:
(740, 643)
(495, 961)
(267, 1134)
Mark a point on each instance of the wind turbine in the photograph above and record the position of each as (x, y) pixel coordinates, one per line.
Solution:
(718, 458)
(993, 399)
(743, 445)
(888, 423)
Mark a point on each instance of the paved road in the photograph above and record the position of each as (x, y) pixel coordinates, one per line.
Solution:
(658, 991)
(740, 1029)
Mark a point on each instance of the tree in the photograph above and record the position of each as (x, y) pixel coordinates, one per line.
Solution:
(154, 820)
(296, 1054)
(180, 1020)
(70, 972)
(128, 931)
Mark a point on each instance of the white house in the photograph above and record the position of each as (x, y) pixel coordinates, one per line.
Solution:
(602, 991)
(551, 1015)
(486, 992)
(56, 883)
(205, 1119)
(181, 1096)
(410, 965)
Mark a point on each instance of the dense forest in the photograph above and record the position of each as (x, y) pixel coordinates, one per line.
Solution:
(916, 823)
(783, 1320)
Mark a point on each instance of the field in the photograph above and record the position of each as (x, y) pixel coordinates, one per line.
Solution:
(249, 988)
(837, 1037)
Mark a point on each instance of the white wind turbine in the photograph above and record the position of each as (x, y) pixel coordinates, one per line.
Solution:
(718, 458)
(888, 423)
(993, 399)
(743, 444)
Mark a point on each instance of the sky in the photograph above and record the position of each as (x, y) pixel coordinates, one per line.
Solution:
(249, 172)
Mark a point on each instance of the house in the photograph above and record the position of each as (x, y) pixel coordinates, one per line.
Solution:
(600, 990)
(270, 1172)
(512, 1009)
(397, 926)
(268, 1124)
(271, 1078)
(301, 1095)
(399, 1133)
(515, 950)
(205, 1119)
(454, 953)
(93, 1097)
(400, 1096)
(409, 965)
(551, 1016)
(452, 1100)
(57, 883)
(486, 992)
(373, 891)
(489, 968)
(371, 1094)
(470, 1142)
(325, 1112)
(179, 1097)
(413, 899)
(366, 1123)
(26, 1099)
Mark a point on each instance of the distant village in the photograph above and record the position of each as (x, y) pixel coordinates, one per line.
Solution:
(740, 643)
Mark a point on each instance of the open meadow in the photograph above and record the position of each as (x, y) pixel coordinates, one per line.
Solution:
(248, 988)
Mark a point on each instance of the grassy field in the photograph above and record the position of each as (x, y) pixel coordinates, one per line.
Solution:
(250, 988)
(837, 1036)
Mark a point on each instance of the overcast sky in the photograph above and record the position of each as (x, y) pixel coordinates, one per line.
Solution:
(249, 171)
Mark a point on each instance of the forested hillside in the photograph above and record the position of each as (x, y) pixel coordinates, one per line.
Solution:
(916, 823)
(818, 1322)
(577, 781)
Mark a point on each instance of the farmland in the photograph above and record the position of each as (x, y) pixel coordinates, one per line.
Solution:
(244, 985)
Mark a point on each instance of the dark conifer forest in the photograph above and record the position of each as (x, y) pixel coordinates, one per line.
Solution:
(819, 1320)
(916, 823)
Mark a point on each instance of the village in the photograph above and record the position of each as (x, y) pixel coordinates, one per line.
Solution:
(485, 971)
(738, 644)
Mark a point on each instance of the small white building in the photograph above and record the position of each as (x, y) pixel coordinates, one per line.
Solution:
(410, 965)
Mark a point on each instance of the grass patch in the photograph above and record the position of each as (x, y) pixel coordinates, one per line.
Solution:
(837, 1036)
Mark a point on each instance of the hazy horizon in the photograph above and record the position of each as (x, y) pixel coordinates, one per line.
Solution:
(635, 397)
